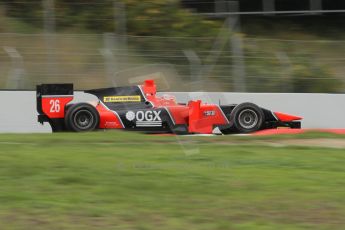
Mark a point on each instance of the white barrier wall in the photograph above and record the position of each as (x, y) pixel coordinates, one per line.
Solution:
(18, 111)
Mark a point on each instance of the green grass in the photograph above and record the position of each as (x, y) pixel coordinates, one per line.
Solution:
(118, 180)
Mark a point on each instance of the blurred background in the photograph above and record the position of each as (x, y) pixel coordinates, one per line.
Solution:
(205, 45)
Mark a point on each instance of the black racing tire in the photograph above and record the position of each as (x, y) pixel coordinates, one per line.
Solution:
(247, 117)
(81, 117)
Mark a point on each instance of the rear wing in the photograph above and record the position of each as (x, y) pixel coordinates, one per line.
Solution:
(51, 100)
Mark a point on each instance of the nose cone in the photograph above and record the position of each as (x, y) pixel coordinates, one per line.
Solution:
(287, 117)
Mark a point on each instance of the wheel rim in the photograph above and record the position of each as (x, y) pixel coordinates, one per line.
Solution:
(83, 119)
(248, 118)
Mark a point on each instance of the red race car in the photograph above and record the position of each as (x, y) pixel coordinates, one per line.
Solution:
(138, 108)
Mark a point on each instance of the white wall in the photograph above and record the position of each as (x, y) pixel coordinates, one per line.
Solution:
(18, 110)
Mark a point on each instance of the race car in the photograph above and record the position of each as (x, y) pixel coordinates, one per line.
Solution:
(139, 108)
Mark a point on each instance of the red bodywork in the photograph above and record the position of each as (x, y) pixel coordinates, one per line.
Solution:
(197, 116)
(286, 117)
(194, 114)
(108, 119)
(54, 106)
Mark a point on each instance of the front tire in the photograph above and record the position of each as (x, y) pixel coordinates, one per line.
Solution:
(247, 117)
(82, 117)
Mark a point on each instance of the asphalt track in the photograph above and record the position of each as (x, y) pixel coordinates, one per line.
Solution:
(320, 111)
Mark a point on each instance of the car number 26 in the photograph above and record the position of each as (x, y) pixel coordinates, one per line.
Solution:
(54, 106)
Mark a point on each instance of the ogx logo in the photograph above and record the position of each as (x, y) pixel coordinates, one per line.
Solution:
(145, 118)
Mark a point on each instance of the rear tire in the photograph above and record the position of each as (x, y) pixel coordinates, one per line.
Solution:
(247, 117)
(82, 117)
